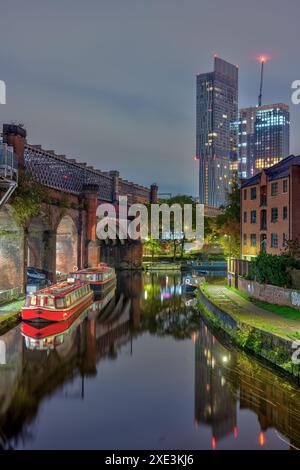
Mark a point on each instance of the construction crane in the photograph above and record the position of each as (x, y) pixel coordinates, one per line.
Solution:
(262, 60)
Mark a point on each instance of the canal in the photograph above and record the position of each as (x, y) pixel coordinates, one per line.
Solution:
(140, 370)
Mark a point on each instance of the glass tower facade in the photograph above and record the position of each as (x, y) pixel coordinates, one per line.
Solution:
(216, 108)
(263, 134)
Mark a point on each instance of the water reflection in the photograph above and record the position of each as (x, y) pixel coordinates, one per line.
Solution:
(140, 369)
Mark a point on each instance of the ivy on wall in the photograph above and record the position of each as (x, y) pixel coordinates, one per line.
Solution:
(27, 199)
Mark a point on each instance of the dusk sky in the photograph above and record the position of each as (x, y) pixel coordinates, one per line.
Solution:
(113, 82)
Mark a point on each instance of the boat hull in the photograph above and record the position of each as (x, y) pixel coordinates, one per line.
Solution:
(102, 287)
(43, 330)
(40, 314)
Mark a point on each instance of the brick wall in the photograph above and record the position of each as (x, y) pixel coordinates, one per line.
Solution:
(272, 294)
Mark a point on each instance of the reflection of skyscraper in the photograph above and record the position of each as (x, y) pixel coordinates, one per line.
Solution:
(217, 106)
(215, 400)
(275, 407)
(263, 137)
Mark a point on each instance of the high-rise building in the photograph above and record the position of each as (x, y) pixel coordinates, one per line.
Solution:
(263, 137)
(217, 107)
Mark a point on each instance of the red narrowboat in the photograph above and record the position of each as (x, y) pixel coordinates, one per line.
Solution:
(49, 335)
(101, 279)
(58, 302)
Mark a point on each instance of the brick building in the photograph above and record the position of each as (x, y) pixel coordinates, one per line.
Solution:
(270, 208)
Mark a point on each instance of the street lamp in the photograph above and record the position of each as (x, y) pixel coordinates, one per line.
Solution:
(229, 239)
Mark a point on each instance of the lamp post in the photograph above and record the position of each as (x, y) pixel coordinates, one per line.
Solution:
(229, 239)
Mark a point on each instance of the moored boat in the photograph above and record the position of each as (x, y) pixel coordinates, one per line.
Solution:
(101, 279)
(49, 335)
(58, 302)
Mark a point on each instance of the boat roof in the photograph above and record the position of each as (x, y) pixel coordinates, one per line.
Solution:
(98, 270)
(61, 289)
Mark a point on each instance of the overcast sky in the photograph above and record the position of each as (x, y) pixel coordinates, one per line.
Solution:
(113, 82)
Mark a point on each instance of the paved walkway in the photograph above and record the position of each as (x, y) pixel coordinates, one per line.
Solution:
(244, 310)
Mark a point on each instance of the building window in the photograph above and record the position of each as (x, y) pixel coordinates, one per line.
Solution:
(274, 240)
(285, 186)
(285, 239)
(253, 193)
(253, 239)
(285, 212)
(274, 189)
(245, 194)
(245, 217)
(253, 217)
(274, 214)
(245, 239)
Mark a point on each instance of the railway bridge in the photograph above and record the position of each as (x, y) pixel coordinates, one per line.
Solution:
(61, 234)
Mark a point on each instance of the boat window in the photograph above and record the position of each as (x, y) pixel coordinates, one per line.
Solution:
(60, 302)
(43, 300)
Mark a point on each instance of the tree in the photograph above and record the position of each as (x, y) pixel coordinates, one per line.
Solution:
(181, 199)
(226, 227)
(292, 248)
(153, 246)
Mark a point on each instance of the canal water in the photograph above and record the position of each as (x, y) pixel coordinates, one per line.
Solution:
(140, 370)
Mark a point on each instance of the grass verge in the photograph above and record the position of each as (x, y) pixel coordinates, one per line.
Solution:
(282, 310)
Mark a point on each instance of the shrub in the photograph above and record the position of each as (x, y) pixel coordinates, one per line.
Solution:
(273, 269)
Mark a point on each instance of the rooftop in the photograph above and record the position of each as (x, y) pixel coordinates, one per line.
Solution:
(280, 170)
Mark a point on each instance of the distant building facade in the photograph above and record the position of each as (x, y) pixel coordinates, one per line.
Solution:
(216, 108)
(263, 136)
(270, 209)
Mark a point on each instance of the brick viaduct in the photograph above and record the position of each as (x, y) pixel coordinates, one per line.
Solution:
(63, 234)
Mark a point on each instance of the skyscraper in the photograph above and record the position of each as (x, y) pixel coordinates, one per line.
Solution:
(217, 106)
(263, 137)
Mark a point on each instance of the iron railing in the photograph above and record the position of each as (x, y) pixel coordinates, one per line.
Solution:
(64, 174)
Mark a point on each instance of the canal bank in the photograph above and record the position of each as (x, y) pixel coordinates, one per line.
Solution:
(265, 334)
(10, 314)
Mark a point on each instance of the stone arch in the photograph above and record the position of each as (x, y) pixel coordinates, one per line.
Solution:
(11, 251)
(66, 245)
(37, 243)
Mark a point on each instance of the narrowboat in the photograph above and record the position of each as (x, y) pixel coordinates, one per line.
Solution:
(101, 279)
(44, 336)
(58, 302)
